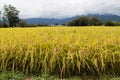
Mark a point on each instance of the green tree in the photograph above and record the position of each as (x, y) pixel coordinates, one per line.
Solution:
(22, 23)
(110, 23)
(94, 21)
(11, 14)
(81, 21)
(84, 21)
(74, 22)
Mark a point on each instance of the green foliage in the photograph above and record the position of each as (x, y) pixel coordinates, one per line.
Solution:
(11, 14)
(84, 21)
(81, 21)
(111, 23)
(23, 23)
(5, 25)
(94, 21)
(91, 21)
(0, 25)
(11, 76)
(6, 75)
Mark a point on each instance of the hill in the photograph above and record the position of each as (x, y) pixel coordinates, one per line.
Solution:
(103, 17)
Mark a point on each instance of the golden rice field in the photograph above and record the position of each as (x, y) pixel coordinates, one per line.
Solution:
(64, 51)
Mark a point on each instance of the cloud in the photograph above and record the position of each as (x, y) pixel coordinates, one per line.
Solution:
(63, 8)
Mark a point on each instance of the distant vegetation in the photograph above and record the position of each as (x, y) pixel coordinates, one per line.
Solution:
(91, 21)
(11, 18)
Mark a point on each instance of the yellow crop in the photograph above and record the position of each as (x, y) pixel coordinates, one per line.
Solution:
(60, 50)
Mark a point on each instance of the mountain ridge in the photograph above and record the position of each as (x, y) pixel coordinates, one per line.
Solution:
(103, 17)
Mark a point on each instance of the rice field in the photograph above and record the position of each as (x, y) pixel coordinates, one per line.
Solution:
(63, 51)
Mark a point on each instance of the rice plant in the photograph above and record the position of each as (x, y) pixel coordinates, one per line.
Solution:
(65, 51)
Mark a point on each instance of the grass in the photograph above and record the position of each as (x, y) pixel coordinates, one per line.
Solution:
(11, 76)
(62, 51)
(21, 76)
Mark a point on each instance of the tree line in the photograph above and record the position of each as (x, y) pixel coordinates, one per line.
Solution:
(11, 18)
(91, 21)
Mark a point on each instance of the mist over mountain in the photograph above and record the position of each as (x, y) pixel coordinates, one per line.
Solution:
(49, 20)
(103, 17)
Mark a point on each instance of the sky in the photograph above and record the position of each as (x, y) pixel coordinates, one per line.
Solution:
(63, 8)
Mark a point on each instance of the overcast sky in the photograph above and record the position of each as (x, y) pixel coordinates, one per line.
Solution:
(63, 8)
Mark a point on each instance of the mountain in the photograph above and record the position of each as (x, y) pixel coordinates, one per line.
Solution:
(49, 20)
(103, 17)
